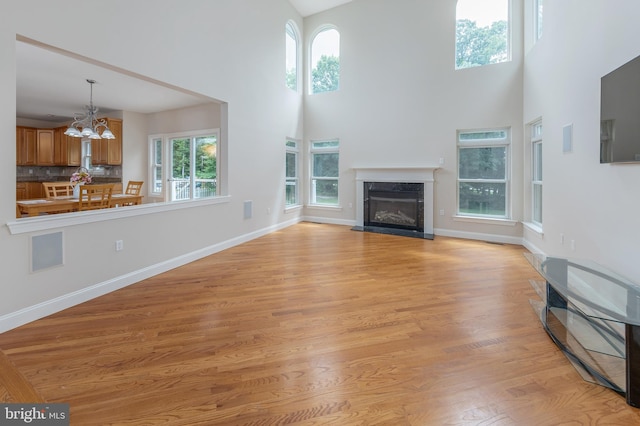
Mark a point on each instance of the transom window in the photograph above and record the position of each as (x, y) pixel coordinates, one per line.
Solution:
(325, 156)
(325, 61)
(482, 32)
(483, 173)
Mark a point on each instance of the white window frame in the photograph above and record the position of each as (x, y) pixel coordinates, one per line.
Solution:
(292, 147)
(536, 173)
(315, 149)
(486, 143)
(310, 57)
(167, 165)
(156, 144)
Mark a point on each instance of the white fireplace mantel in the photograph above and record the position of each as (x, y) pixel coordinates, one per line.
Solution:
(410, 174)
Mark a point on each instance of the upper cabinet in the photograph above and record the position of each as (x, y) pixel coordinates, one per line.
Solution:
(45, 147)
(108, 152)
(51, 147)
(26, 146)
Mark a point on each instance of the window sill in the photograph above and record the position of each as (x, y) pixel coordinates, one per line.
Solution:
(537, 229)
(323, 207)
(289, 209)
(42, 223)
(486, 220)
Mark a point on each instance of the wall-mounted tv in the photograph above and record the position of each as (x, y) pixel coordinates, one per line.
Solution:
(620, 114)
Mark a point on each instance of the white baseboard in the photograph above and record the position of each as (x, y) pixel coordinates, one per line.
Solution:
(493, 238)
(41, 310)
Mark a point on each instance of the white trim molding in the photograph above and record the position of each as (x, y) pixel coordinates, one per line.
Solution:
(410, 174)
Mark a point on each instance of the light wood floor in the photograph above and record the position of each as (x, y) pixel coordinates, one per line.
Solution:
(315, 324)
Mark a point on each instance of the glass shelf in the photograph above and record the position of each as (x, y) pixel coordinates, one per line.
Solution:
(593, 315)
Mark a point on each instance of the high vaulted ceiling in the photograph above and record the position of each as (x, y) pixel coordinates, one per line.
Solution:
(51, 85)
(309, 7)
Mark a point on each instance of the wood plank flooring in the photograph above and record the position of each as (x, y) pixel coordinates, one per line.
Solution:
(314, 324)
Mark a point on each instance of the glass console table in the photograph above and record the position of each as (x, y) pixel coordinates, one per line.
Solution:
(593, 315)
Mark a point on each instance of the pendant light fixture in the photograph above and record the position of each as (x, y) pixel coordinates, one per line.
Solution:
(85, 125)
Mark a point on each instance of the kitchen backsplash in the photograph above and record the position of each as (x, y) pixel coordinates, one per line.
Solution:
(61, 173)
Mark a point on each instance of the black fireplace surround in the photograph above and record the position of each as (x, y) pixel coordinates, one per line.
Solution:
(394, 208)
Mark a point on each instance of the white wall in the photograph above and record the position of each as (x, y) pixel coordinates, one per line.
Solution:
(234, 51)
(401, 102)
(595, 205)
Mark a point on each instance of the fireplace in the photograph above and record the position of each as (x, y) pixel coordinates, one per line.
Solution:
(395, 200)
(395, 205)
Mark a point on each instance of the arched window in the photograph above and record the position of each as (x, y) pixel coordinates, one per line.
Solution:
(291, 65)
(482, 32)
(325, 60)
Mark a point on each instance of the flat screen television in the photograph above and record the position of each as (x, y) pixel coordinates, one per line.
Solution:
(620, 114)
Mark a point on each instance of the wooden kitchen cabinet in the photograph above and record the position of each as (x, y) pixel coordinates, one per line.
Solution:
(45, 147)
(67, 150)
(26, 146)
(29, 190)
(108, 152)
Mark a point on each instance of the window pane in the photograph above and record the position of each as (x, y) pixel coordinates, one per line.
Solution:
(181, 170)
(157, 181)
(291, 192)
(483, 198)
(291, 165)
(158, 151)
(537, 203)
(206, 166)
(483, 163)
(476, 136)
(482, 30)
(325, 165)
(539, 19)
(291, 58)
(325, 191)
(537, 161)
(325, 61)
(325, 144)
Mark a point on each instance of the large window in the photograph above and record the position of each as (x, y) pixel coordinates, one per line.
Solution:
(482, 32)
(536, 173)
(291, 63)
(325, 157)
(292, 183)
(325, 61)
(483, 173)
(191, 166)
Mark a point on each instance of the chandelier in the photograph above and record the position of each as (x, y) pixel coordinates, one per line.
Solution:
(85, 125)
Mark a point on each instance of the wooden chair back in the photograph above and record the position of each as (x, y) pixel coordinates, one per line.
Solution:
(134, 187)
(57, 189)
(93, 197)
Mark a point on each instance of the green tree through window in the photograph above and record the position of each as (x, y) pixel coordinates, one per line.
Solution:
(326, 75)
(482, 32)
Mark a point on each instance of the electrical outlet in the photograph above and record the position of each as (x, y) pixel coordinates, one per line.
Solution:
(119, 245)
(441, 212)
(573, 245)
